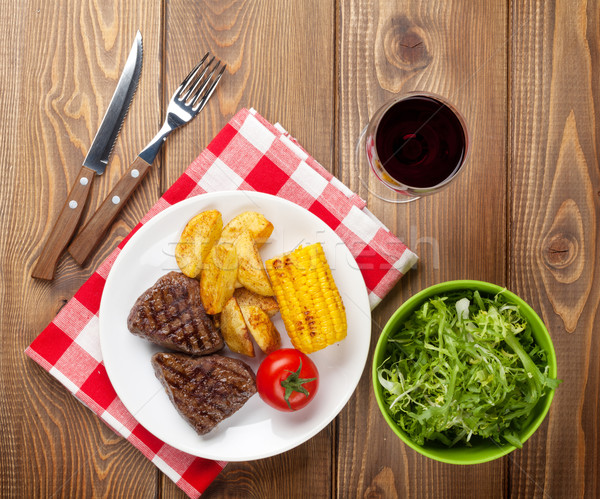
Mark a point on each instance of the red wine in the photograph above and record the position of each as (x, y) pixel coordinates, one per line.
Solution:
(420, 142)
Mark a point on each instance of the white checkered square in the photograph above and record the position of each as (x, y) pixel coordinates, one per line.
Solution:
(342, 187)
(309, 179)
(361, 224)
(407, 261)
(297, 150)
(166, 469)
(255, 133)
(219, 177)
(367, 212)
(89, 338)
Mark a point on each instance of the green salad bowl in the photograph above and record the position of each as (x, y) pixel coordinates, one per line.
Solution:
(481, 450)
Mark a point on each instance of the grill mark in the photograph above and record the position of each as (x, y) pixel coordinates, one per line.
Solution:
(211, 388)
(170, 313)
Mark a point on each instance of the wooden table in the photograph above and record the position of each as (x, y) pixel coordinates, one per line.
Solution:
(524, 214)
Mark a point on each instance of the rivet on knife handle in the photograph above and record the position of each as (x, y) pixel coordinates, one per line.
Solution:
(90, 235)
(189, 99)
(65, 225)
(94, 163)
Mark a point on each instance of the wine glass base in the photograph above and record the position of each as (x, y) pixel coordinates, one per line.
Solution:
(369, 179)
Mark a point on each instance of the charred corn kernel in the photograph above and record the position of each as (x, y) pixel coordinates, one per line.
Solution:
(310, 304)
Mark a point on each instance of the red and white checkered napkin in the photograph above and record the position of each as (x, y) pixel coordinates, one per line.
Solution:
(248, 154)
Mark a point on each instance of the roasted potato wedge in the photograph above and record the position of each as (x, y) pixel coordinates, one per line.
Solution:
(198, 237)
(267, 304)
(259, 227)
(261, 328)
(234, 329)
(251, 270)
(217, 279)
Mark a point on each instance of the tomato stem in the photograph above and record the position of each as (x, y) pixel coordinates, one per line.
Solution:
(294, 383)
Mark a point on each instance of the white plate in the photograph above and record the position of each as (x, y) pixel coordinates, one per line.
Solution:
(256, 430)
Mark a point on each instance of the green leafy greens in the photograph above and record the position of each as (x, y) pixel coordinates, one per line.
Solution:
(464, 365)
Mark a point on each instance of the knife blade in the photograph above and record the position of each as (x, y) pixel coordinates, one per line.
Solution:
(94, 164)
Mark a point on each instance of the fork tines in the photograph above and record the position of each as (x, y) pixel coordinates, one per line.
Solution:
(190, 92)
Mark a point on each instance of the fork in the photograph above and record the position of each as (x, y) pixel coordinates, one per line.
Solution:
(187, 101)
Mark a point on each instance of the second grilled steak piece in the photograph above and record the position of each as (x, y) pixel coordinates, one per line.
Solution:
(205, 390)
(171, 314)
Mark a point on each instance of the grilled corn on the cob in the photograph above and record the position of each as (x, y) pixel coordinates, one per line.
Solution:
(310, 303)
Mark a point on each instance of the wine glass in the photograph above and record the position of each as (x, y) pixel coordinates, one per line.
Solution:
(414, 145)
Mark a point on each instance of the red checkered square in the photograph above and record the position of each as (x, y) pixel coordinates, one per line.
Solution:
(388, 280)
(201, 473)
(179, 190)
(324, 214)
(98, 388)
(266, 177)
(146, 438)
(90, 293)
(222, 140)
(51, 344)
(373, 266)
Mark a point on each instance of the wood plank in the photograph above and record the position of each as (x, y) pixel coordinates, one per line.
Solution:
(554, 138)
(280, 57)
(65, 58)
(457, 50)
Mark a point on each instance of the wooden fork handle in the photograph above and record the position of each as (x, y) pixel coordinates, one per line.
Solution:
(65, 225)
(87, 240)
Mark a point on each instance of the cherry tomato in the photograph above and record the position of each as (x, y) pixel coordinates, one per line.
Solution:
(287, 379)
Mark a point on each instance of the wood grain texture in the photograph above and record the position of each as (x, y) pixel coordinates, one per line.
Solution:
(279, 57)
(65, 59)
(458, 51)
(555, 213)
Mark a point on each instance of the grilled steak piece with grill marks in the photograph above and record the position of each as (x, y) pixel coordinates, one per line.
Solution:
(205, 390)
(171, 314)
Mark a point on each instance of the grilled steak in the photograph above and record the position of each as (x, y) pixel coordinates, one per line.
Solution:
(171, 314)
(205, 390)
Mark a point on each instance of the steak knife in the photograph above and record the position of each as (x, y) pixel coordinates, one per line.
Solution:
(94, 164)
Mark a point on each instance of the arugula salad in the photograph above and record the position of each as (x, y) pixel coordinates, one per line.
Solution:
(464, 366)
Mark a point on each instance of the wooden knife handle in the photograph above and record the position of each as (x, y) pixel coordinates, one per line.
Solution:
(65, 225)
(89, 237)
